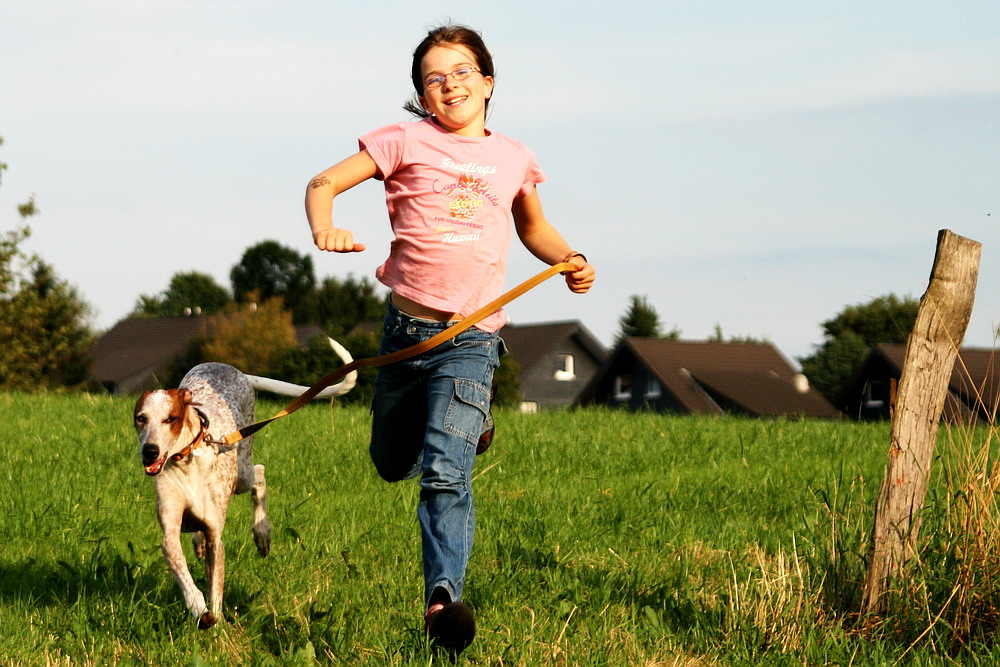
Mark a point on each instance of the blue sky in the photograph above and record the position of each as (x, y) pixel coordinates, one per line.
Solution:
(756, 166)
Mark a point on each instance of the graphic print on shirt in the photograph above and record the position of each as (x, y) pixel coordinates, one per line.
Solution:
(465, 197)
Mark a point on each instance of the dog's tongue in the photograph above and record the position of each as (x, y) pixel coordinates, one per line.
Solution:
(156, 466)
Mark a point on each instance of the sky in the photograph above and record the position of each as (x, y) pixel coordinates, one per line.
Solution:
(746, 167)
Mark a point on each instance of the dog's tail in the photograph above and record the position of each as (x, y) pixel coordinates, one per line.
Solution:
(289, 389)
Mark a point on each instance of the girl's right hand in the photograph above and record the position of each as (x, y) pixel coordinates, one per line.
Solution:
(337, 240)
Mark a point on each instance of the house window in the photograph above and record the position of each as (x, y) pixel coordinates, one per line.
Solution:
(653, 388)
(566, 371)
(623, 388)
(874, 395)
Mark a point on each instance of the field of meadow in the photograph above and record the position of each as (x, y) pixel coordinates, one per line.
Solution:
(604, 538)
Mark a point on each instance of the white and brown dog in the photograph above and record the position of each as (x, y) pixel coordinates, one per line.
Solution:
(179, 433)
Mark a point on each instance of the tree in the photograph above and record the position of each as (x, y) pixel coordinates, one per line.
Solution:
(850, 335)
(273, 270)
(47, 342)
(507, 379)
(187, 293)
(343, 304)
(251, 339)
(43, 321)
(305, 366)
(718, 337)
(641, 320)
(885, 319)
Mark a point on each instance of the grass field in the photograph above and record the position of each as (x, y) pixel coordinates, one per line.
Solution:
(604, 538)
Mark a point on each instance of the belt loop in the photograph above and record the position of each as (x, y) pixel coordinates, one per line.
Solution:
(398, 316)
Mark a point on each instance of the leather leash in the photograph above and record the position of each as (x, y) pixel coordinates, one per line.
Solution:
(406, 353)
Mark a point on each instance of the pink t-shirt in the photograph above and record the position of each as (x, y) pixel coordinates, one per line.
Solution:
(449, 199)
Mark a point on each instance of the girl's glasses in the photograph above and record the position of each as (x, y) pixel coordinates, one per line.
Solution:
(460, 73)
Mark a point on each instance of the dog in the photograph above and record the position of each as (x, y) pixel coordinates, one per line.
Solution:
(197, 474)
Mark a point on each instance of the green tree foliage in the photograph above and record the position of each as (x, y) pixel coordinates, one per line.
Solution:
(343, 304)
(834, 363)
(641, 320)
(306, 366)
(47, 342)
(43, 321)
(188, 292)
(885, 319)
(177, 367)
(273, 270)
(507, 380)
(718, 337)
(850, 335)
(28, 208)
(251, 339)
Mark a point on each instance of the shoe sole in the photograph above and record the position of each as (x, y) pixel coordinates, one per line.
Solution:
(453, 628)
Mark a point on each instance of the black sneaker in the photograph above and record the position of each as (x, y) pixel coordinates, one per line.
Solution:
(486, 437)
(452, 627)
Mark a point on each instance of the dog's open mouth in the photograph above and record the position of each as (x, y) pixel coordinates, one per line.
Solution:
(156, 466)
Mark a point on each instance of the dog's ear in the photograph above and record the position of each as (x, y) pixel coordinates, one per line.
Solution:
(140, 402)
(184, 396)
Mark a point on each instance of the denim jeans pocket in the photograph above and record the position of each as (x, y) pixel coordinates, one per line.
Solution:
(468, 408)
(475, 340)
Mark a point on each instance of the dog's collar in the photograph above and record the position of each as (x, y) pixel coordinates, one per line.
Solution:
(198, 439)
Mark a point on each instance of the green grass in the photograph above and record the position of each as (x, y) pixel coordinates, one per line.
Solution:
(604, 538)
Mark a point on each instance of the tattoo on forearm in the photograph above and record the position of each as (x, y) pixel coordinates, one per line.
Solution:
(319, 182)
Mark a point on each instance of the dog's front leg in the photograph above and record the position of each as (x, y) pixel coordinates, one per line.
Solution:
(215, 573)
(174, 553)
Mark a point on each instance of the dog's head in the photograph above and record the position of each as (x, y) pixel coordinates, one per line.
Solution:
(165, 423)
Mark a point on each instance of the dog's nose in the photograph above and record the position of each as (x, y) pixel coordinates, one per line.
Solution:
(150, 453)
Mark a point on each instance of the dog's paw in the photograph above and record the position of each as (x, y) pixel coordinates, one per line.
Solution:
(198, 542)
(206, 621)
(262, 539)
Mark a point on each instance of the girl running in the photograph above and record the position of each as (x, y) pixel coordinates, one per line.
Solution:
(451, 188)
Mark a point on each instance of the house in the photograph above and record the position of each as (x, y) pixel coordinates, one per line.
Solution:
(973, 390)
(710, 378)
(129, 358)
(556, 361)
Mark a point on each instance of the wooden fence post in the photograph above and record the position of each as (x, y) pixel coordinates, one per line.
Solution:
(942, 319)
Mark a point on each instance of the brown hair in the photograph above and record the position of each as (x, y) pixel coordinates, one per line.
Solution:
(447, 34)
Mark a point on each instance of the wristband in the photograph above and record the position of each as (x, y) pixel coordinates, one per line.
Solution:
(575, 254)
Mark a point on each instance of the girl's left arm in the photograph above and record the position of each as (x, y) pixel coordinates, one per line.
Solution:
(546, 243)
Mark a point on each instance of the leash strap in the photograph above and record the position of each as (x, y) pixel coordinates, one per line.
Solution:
(406, 353)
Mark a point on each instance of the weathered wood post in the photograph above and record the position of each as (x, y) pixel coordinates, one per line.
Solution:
(931, 350)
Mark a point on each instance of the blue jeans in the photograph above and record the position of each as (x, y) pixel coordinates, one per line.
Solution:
(428, 414)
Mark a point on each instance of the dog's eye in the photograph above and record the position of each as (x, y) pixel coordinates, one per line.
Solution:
(140, 419)
(170, 420)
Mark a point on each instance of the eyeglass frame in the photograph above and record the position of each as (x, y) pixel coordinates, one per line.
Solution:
(435, 81)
